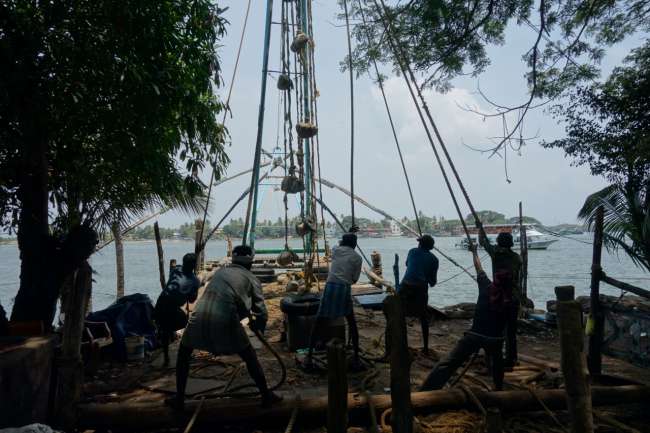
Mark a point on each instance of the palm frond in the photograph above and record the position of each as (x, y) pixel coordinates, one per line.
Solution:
(626, 224)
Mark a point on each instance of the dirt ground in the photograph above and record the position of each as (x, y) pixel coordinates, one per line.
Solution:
(149, 381)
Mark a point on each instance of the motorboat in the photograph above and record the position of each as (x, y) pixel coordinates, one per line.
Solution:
(535, 240)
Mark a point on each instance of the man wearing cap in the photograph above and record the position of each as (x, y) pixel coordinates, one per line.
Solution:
(504, 259)
(232, 295)
(336, 301)
(421, 273)
(181, 288)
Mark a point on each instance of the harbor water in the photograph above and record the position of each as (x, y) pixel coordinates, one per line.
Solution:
(566, 262)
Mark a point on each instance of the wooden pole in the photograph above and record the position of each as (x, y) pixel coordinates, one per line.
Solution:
(523, 249)
(375, 259)
(70, 366)
(574, 368)
(132, 416)
(400, 366)
(337, 388)
(161, 258)
(625, 286)
(119, 259)
(596, 338)
(198, 242)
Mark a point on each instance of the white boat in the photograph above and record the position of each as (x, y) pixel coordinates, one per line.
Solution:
(534, 239)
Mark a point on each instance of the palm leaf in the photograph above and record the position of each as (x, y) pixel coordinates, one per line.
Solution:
(626, 223)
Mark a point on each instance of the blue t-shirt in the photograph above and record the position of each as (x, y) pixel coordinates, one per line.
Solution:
(421, 267)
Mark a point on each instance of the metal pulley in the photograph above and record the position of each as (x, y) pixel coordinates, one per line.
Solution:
(299, 42)
(284, 82)
(292, 185)
(306, 130)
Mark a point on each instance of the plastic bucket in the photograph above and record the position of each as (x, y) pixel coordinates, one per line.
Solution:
(134, 348)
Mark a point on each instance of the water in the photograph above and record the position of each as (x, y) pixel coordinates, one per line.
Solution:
(566, 262)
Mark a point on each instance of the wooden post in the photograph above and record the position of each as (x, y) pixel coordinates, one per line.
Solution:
(161, 258)
(337, 387)
(574, 369)
(523, 249)
(400, 366)
(172, 265)
(375, 258)
(200, 252)
(594, 360)
(70, 366)
(119, 259)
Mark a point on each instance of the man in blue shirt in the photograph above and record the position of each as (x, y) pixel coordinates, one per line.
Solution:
(182, 287)
(421, 273)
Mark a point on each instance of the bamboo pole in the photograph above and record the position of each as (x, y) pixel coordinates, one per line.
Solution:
(161, 258)
(119, 259)
(578, 388)
(155, 415)
(594, 360)
(400, 366)
(337, 388)
(70, 365)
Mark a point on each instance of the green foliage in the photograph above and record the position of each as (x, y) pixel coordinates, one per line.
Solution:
(627, 219)
(447, 38)
(527, 220)
(118, 91)
(487, 217)
(608, 124)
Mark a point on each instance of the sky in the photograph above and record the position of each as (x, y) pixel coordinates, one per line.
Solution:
(550, 188)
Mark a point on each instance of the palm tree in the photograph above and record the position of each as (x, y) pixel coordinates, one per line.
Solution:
(626, 219)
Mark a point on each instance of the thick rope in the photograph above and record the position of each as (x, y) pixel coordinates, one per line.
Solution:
(388, 25)
(405, 75)
(347, 28)
(380, 82)
(225, 113)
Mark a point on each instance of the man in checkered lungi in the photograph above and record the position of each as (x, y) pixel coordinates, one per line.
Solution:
(336, 301)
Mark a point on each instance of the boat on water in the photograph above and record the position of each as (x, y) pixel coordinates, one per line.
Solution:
(535, 240)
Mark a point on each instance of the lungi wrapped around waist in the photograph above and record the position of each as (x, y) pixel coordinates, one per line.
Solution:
(215, 327)
(336, 301)
(415, 297)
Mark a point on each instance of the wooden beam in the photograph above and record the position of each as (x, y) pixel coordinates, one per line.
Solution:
(594, 358)
(129, 416)
(574, 368)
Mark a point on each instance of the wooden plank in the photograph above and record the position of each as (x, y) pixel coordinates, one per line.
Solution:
(400, 366)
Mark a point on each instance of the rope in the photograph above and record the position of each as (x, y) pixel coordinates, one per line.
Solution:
(347, 29)
(195, 415)
(223, 121)
(380, 82)
(333, 215)
(406, 76)
(294, 415)
(430, 117)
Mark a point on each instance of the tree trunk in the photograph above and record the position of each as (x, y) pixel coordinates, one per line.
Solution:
(33, 302)
(70, 366)
(119, 259)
